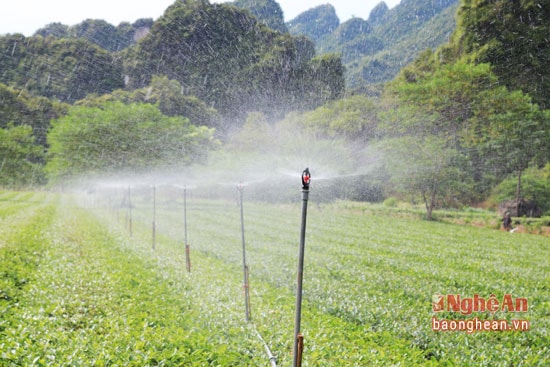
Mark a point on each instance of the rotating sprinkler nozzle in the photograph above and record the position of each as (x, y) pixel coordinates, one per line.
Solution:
(306, 177)
(298, 338)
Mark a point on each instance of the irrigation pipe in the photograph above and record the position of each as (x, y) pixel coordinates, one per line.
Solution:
(270, 355)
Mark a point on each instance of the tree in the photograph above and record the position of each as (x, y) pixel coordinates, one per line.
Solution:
(439, 101)
(172, 102)
(123, 138)
(354, 118)
(19, 108)
(450, 92)
(425, 166)
(500, 131)
(170, 97)
(535, 187)
(513, 37)
(519, 137)
(18, 157)
(56, 29)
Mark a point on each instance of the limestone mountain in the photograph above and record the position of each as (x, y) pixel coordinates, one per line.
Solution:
(374, 50)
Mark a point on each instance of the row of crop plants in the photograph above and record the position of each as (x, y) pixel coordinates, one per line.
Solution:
(96, 292)
(75, 293)
(369, 279)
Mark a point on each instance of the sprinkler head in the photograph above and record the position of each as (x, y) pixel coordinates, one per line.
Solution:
(306, 176)
(240, 186)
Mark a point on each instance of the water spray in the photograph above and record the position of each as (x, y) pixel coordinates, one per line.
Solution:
(240, 188)
(187, 250)
(298, 337)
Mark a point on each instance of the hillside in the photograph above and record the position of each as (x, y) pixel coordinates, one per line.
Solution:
(385, 64)
(218, 53)
(374, 50)
(100, 32)
(214, 76)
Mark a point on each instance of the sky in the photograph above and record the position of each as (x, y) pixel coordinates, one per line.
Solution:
(27, 16)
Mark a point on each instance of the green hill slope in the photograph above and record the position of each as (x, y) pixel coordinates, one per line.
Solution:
(374, 50)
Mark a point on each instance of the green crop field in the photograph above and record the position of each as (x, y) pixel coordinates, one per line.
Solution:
(78, 288)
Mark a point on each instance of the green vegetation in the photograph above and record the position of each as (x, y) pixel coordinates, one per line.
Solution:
(75, 294)
(60, 69)
(446, 131)
(225, 57)
(535, 185)
(453, 93)
(458, 103)
(17, 154)
(489, 33)
(374, 50)
(209, 96)
(18, 108)
(77, 289)
(315, 23)
(100, 32)
(218, 53)
(123, 138)
(268, 12)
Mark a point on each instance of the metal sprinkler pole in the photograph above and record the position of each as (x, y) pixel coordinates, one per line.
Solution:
(298, 337)
(187, 250)
(154, 215)
(129, 211)
(240, 188)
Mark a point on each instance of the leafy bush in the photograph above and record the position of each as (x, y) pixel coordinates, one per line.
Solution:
(18, 157)
(535, 185)
(119, 137)
(391, 202)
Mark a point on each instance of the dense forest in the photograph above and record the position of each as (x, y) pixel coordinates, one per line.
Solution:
(464, 123)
